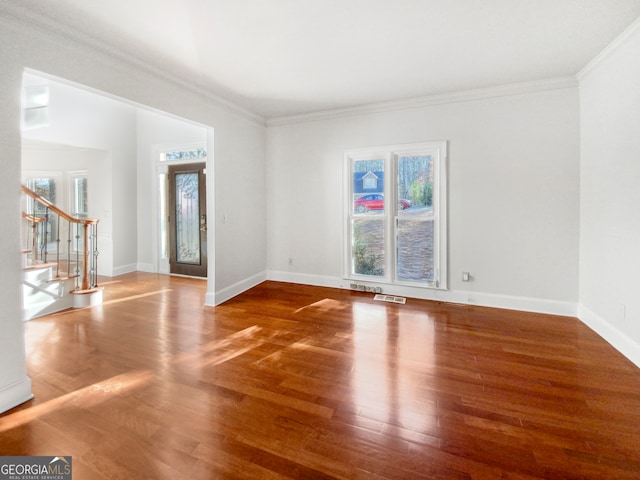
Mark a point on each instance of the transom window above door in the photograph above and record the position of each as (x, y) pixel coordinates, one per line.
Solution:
(192, 154)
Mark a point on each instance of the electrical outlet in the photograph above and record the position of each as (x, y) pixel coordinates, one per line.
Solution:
(466, 277)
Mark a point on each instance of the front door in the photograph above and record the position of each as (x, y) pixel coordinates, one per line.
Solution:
(187, 220)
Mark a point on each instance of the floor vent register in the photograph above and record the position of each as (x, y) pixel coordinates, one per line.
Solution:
(390, 298)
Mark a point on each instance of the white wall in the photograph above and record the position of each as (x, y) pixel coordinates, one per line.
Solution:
(15, 385)
(240, 192)
(610, 195)
(237, 252)
(513, 195)
(156, 131)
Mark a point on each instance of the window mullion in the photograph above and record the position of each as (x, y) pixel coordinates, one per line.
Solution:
(389, 218)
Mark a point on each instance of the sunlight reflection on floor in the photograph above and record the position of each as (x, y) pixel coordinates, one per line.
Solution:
(384, 383)
(85, 397)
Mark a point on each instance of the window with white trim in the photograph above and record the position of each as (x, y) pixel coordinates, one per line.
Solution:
(48, 186)
(79, 194)
(35, 106)
(401, 241)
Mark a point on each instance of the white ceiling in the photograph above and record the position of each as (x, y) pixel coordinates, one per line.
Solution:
(285, 57)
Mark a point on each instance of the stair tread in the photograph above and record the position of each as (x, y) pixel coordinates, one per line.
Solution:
(35, 266)
(62, 276)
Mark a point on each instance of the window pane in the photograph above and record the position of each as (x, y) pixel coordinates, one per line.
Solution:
(198, 153)
(187, 218)
(81, 195)
(367, 227)
(368, 246)
(46, 188)
(36, 106)
(415, 250)
(415, 181)
(415, 225)
(368, 187)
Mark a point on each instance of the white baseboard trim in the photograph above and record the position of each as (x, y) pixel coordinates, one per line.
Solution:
(122, 269)
(146, 267)
(14, 394)
(526, 304)
(212, 299)
(618, 340)
(307, 279)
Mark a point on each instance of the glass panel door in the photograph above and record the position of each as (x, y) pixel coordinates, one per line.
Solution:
(187, 215)
(188, 220)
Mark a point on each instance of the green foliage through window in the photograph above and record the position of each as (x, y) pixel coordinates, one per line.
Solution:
(365, 261)
(421, 193)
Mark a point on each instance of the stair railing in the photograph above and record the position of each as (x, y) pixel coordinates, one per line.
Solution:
(44, 222)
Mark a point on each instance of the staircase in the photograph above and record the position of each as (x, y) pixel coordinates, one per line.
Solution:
(59, 260)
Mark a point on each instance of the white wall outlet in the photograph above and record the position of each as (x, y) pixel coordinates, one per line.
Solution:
(466, 277)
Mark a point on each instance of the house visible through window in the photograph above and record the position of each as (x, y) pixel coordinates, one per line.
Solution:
(369, 181)
(402, 240)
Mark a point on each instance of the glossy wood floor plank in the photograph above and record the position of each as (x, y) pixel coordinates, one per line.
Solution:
(288, 381)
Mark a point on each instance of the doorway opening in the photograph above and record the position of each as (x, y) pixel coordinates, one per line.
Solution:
(183, 214)
(96, 134)
(182, 210)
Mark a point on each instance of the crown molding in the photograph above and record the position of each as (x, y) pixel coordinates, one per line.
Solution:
(430, 100)
(14, 12)
(609, 49)
(38, 22)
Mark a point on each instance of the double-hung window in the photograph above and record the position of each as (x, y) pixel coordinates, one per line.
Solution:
(396, 214)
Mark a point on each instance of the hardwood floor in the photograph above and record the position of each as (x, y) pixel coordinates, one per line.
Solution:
(289, 381)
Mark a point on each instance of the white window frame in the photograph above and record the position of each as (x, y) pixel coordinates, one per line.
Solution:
(390, 154)
(35, 106)
(73, 193)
